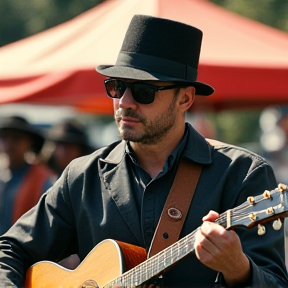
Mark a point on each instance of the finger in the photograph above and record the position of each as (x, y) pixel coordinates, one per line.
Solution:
(212, 230)
(214, 238)
(209, 238)
(204, 248)
(211, 216)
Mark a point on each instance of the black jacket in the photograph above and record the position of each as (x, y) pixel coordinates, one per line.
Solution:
(93, 201)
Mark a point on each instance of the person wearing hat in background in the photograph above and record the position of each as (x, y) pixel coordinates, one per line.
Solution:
(22, 180)
(119, 191)
(69, 141)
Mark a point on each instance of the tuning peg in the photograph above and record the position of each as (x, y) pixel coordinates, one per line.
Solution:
(277, 224)
(266, 194)
(261, 229)
(282, 187)
(252, 216)
(251, 200)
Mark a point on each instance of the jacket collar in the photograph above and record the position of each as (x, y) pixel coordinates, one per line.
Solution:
(113, 171)
(197, 149)
(117, 154)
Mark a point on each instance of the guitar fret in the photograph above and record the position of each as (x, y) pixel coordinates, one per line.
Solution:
(144, 273)
(135, 279)
(156, 264)
(168, 257)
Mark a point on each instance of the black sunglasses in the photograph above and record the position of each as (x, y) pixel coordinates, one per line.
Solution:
(142, 93)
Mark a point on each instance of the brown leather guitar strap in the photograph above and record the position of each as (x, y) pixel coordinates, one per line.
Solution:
(176, 206)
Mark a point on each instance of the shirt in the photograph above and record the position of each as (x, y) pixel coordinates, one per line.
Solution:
(150, 193)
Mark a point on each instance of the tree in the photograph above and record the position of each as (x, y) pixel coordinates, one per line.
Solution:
(270, 12)
(21, 19)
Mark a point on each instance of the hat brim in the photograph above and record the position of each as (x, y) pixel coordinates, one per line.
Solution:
(24, 128)
(202, 89)
(38, 138)
(69, 139)
(72, 139)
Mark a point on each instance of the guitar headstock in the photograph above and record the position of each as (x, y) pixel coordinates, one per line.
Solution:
(269, 206)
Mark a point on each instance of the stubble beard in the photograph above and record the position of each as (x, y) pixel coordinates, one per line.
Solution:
(154, 130)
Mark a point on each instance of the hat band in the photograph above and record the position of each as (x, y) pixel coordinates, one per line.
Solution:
(157, 65)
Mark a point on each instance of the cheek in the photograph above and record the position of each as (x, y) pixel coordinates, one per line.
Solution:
(115, 104)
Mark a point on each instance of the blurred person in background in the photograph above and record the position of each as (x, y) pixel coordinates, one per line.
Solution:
(274, 142)
(69, 140)
(22, 179)
(274, 139)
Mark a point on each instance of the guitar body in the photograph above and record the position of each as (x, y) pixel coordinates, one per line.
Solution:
(107, 261)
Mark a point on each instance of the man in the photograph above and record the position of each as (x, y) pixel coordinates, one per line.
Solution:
(119, 191)
(22, 179)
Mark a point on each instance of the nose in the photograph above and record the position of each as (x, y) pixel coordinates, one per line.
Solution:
(127, 100)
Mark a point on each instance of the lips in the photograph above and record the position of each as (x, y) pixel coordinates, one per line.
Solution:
(129, 120)
(128, 116)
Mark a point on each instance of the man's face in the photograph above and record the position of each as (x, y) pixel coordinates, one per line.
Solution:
(146, 123)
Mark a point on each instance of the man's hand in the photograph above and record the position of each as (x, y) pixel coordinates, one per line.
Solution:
(221, 251)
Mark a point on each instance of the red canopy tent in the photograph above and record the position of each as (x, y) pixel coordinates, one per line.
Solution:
(245, 61)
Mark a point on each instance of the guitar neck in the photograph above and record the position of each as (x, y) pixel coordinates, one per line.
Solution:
(158, 263)
(259, 209)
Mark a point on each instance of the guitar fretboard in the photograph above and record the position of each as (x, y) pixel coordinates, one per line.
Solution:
(159, 262)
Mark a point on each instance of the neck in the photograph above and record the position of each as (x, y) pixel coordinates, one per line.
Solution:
(152, 157)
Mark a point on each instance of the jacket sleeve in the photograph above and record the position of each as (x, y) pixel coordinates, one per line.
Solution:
(266, 252)
(31, 238)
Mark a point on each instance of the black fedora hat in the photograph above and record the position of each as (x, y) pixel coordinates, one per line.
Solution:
(159, 49)
(21, 124)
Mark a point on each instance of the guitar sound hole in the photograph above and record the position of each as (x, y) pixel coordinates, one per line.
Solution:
(90, 284)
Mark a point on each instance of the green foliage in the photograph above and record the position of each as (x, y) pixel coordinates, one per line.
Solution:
(238, 126)
(22, 18)
(270, 12)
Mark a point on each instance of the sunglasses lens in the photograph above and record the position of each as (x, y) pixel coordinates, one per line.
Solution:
(115, 88)
(143, 94)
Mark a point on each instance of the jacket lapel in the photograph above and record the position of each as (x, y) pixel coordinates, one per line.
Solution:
(116, 181)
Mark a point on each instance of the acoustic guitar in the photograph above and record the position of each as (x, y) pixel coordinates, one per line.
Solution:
(116, 263)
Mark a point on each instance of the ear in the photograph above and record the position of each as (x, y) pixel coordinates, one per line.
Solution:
(187, 98)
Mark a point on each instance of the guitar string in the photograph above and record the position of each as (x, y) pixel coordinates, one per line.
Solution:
(237, 213)
(155, 265)
(159, 262)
